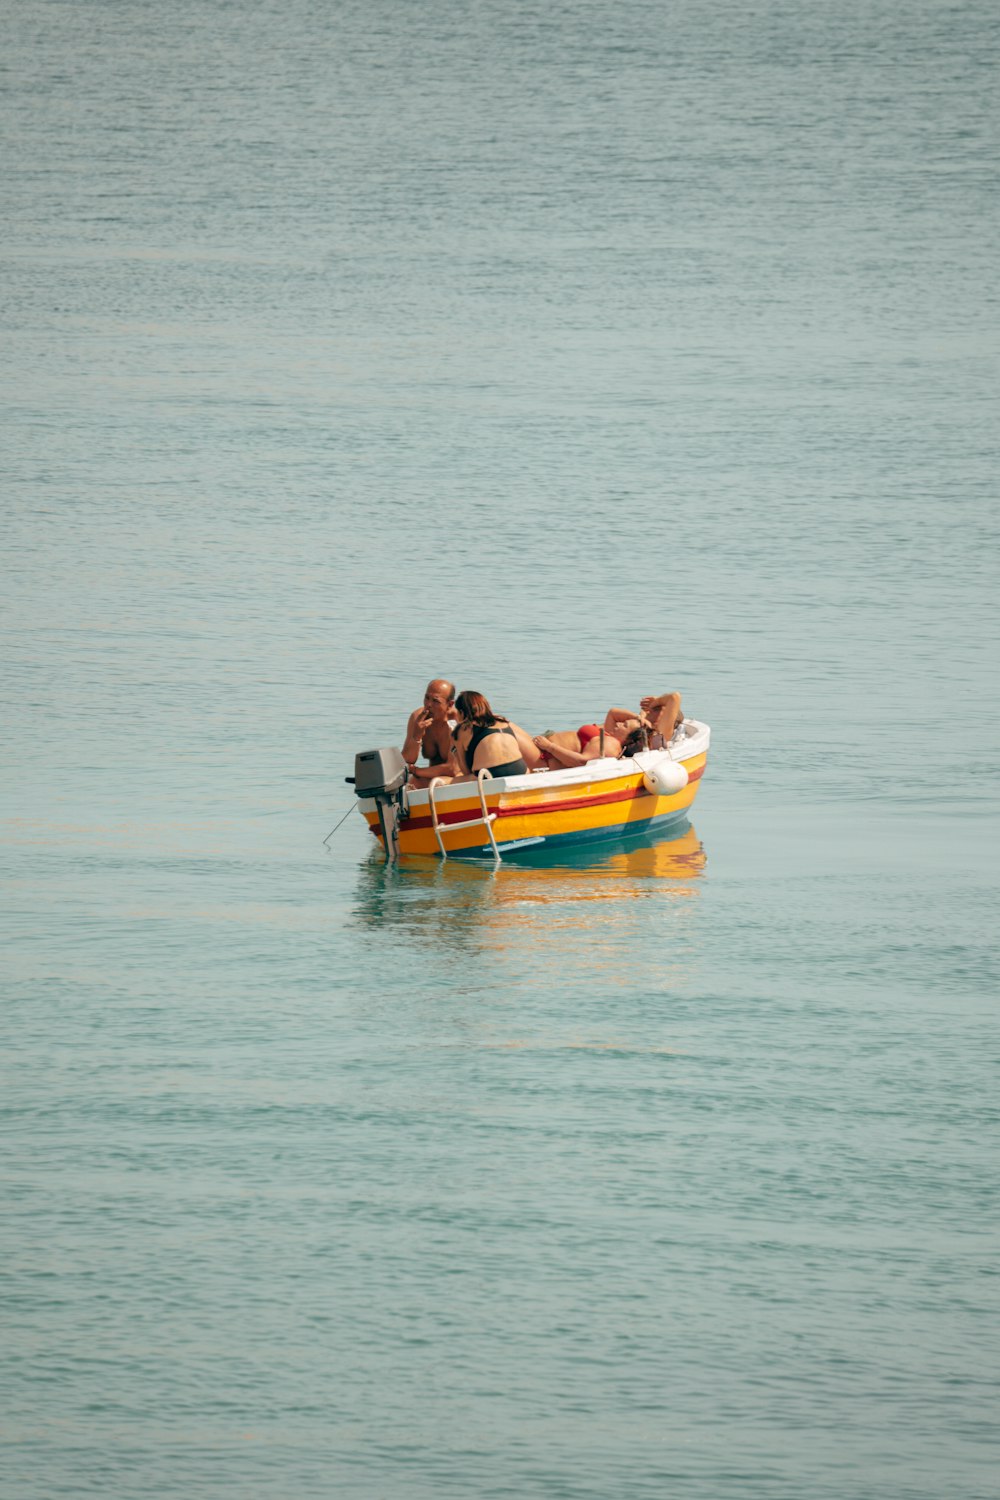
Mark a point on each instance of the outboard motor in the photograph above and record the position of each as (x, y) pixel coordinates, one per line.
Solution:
(381, 775)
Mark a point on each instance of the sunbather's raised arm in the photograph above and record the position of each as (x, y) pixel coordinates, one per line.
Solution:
(619, 721)
(664, 713)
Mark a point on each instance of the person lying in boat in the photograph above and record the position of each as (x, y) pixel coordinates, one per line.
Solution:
(486, 741)
(575, 747)
(428, 733)
(624, 733)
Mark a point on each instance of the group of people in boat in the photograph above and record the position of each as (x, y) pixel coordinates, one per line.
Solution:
(460, 735)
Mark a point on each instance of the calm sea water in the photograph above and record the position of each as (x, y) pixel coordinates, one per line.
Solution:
(573, 351)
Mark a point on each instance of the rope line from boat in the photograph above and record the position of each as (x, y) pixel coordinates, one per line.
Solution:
(337, 825)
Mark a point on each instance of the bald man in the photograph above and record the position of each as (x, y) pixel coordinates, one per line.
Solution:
(428, 732)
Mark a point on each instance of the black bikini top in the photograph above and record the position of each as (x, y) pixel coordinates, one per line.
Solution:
(481, 732)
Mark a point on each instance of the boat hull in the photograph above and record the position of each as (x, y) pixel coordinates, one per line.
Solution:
(549, 811)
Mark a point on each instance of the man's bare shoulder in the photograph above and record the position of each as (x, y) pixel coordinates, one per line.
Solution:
(438, 735)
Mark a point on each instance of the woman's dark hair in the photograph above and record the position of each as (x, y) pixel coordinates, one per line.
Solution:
(474, 707)
(635, 741)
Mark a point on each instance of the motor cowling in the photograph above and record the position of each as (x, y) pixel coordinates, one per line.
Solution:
(379, 772)
(381, 775)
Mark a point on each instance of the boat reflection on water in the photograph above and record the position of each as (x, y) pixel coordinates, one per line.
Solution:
(459, 899)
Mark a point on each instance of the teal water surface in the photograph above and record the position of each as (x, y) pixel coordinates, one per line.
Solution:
(575, 352)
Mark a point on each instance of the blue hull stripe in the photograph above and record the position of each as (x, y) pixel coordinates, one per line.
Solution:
(554, 842)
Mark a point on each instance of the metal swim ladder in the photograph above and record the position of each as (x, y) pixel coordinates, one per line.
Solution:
(488, 818)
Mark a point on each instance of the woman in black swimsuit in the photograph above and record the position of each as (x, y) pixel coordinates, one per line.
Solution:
(484, 741)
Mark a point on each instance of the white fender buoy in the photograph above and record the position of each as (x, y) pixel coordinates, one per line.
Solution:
(665, 777)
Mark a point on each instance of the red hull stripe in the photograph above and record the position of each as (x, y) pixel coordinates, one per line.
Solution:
(533, 809)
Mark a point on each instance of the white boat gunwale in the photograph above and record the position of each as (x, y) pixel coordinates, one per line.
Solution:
(695, 742)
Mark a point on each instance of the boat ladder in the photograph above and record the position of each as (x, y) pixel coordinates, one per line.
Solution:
(488, 818)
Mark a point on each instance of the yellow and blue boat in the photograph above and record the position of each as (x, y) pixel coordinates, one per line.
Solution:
(540, 812)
